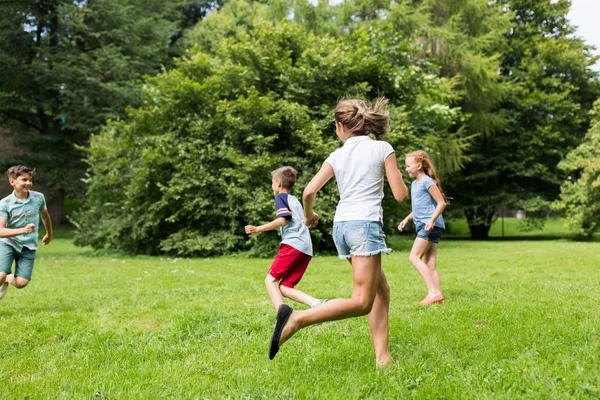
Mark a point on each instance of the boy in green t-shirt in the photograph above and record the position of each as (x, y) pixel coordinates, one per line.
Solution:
(19, 220)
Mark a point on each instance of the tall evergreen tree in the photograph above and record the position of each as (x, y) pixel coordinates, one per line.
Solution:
(515, 165)
(463, 38)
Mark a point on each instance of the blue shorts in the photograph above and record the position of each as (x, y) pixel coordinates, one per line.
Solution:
(23, 260)
(359, 238)
(433, 236)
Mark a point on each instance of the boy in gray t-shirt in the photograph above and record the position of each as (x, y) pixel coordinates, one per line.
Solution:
(295, 250)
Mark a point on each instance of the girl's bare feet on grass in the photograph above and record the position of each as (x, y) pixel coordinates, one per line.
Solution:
(433, 298)
(384, 363)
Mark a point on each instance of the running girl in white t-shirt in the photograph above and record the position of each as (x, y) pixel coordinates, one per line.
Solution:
(359, 167)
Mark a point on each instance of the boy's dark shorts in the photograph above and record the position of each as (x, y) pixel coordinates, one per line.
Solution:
(289, 265)
(23, 261)
(433, 236)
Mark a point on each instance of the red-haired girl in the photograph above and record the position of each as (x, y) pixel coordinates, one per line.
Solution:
(428, 201)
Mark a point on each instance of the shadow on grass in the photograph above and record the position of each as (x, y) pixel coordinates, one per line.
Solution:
(403, 239)
(571, 238)
(511, 238)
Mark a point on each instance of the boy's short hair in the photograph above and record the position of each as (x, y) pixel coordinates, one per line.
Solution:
(285, 175)
(17, 170)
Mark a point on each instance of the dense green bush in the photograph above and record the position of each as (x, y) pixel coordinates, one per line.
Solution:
(192, 166)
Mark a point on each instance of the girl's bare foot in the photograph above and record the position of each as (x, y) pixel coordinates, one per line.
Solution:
(433, 298)
(384, 362)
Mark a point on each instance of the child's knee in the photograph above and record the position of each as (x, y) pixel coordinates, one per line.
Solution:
(270, 280)
(20, 283)
(284, 290)
(363, 306)
(414, 258)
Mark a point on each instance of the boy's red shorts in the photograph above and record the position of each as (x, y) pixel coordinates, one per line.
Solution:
(289, 265)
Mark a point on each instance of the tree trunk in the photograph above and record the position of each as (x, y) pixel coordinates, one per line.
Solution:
(56, 207)
(480, 232)
(480, 221)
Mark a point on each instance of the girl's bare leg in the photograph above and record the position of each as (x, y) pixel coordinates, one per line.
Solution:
(365, 275)
(431, 259)
(379, 322)
(419, 249)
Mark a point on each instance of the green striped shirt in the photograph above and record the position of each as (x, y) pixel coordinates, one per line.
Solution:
(18, 213)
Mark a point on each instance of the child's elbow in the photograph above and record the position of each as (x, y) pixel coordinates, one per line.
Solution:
(308, 191)
(279, 222)
(400, 197)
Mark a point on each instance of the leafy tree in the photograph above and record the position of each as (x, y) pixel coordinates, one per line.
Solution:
(397, 42)
(521, 78)
(580, 193)
(554, 88)
(191, 167)
(527, 86)
(191, 12)
(68, 66)
(463, 38)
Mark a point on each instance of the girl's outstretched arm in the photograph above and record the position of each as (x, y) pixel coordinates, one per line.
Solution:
(394, 177)
(310, 193)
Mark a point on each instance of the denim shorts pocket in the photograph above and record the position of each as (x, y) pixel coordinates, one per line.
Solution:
(356, 234)
(359, 238)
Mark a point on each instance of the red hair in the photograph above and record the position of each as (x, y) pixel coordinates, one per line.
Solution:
(422, 158)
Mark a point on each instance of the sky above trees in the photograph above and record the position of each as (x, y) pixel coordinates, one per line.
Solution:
(585, 14)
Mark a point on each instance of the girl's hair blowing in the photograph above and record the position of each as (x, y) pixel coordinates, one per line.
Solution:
(360, 119)
(422, 158)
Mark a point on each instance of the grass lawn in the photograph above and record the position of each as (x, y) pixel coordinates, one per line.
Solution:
(521, 320)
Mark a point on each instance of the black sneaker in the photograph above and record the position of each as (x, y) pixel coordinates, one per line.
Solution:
(283, 314)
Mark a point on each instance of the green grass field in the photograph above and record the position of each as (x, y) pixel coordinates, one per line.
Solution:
(521, 320)
(553, 228)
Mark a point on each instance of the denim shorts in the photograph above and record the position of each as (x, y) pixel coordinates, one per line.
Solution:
(23, 260)
(359, 238)
(433, 236)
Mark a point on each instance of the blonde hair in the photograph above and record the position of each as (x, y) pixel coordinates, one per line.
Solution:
(360, 119)
(422, 158)
(285, 175)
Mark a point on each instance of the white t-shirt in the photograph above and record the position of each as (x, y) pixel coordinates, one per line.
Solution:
(359, 168)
